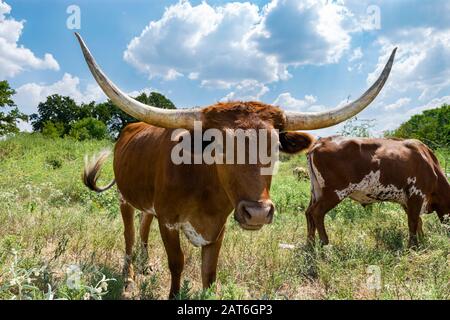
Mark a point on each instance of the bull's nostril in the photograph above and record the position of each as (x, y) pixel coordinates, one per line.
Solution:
(271, 211)
(247, 214)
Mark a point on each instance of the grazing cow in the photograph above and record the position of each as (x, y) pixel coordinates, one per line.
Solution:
(198, 198)
(373, 170)
(301, 173)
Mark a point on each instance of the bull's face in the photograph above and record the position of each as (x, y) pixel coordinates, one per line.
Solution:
(247, 158)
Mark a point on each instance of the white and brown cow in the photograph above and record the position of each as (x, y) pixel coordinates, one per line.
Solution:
(373, 170)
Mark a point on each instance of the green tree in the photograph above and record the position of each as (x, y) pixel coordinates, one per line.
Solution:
(9, 119)
(88, 128)
(116, 119)
(431, 126)
(56, 109)
(53, 129)
(65, 111)
(156, 99)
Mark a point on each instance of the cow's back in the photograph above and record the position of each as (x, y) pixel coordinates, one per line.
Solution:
(370, 170)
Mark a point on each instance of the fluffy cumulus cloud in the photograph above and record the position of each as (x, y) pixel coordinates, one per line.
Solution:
(247, 90)
(30, 95)
(228, 46)
(303, 32)
(15, 58)
(205, 43)
(397, 104)
(288, 102)
(422, 61)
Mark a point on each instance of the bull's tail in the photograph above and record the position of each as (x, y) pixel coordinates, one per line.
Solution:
(91, 171)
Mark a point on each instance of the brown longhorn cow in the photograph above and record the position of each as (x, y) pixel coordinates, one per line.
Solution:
(198, 198)
(372, 170)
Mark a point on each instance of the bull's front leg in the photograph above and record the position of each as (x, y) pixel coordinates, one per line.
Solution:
(210, 257)
(175, 256)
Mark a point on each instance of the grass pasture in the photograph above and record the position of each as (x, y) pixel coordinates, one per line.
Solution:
(52, 227)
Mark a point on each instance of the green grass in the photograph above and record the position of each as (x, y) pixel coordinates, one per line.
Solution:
(50, 221)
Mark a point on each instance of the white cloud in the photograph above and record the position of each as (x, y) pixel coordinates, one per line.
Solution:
(204, 42)
(303, 32)
(30, 95)
(225, 45)
(397, 104)
(15, 58)
(193, 75)
(247, 90)
(136, 93)
(421, 64)
(357, 54)
(287, 102)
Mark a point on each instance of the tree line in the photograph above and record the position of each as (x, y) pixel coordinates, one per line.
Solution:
(61, 116)
(431, 127)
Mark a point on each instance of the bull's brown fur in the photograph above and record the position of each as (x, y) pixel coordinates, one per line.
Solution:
(242, 114)
(406, 166)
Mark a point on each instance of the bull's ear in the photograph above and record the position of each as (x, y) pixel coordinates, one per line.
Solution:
(293, 142)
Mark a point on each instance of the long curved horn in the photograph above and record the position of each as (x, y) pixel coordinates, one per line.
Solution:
(151, 115)
(317, 120)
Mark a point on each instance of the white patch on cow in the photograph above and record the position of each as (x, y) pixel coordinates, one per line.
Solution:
(316, 188)
(414, 191)
(320, 179)
(189, 231)
(370, 190)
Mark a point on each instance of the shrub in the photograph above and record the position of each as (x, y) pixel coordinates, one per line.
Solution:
(88, 128)
(53, 129)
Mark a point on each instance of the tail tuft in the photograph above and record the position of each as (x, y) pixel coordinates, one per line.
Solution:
(91, 171)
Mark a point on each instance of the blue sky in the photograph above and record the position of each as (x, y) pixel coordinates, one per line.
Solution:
(302, 55)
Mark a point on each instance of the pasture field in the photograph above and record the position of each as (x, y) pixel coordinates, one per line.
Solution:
(50, 223)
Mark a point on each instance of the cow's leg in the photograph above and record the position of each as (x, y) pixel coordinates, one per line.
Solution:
(318, 211)
(171, 239)
(311, 228)
(420, 233)
(414, 207)
(128, 222)
(210, 256)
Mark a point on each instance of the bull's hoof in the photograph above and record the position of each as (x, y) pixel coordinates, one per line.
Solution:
(413, 244)
(129, 289)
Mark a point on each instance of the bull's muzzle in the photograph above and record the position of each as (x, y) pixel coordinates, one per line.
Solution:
(252, 215)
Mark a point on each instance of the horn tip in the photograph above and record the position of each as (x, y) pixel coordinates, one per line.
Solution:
(79, 38)
(394, 51)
